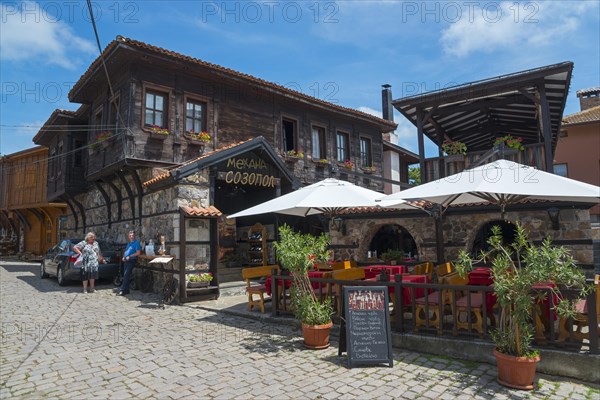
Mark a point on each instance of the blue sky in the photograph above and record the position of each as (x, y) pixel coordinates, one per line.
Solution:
(339, 51)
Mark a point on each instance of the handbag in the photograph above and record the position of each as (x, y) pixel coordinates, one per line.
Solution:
(79, 261)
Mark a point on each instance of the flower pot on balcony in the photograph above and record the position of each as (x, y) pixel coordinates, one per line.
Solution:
(197, 284)
(158, 136)
(291, 160)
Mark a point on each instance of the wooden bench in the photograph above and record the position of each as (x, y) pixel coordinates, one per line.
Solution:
(254, 289)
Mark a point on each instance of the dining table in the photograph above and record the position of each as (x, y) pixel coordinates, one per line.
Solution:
(372, 271)
(407, 291)
(288, 282)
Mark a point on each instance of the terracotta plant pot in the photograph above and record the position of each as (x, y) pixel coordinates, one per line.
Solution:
(516, 372)
(316, 337)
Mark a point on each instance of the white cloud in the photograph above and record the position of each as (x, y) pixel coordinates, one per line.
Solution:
(34, 35)
(509, 25)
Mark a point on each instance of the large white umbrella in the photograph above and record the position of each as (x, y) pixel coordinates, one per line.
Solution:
(501, 182)
(329, 196)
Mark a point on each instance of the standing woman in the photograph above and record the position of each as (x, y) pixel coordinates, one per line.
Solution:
(91, 258)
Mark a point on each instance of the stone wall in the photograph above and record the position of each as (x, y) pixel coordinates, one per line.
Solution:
(460, 231)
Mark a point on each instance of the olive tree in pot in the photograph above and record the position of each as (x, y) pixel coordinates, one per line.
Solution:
(515, 268)
(297, 253)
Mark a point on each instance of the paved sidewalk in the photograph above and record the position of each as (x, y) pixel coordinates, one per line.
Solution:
(60, 343)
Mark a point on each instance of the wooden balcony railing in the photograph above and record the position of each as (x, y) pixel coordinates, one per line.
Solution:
(440, 167)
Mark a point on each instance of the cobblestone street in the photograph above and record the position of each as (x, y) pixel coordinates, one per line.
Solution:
(60, 343)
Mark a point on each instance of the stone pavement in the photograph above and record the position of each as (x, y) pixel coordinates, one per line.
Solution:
(59, 343)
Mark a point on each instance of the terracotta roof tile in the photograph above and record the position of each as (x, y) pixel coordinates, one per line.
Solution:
(159, 50)
(581, 117)
(210, 211)
(166, 175)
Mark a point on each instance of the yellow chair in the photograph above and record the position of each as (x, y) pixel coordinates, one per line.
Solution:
(350, 274)
(424, 269)
(581, 319)
(432, 300)
(254, 289)
(442, 270)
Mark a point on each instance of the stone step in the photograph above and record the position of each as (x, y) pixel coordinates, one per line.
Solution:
(235, 288)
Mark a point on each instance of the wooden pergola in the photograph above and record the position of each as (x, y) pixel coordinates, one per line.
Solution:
(528, 104)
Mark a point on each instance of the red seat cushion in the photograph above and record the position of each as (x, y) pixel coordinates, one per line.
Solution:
(476, 301)
(433, 298)
(581, 307)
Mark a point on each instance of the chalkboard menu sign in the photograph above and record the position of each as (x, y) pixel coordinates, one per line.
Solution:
(367, 335)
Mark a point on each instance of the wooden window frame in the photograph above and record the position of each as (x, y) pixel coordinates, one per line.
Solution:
(296, 144)
(323, 141)
(194, 98)
(369, 153)
(98, 124)
(338, 133)
(113, 120)
(156, 89)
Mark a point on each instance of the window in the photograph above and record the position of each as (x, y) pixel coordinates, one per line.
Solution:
(155, 113)
(195, 116)
(59, 153)
(342, 146)
(53, 164)
(319, 150)
(114, 113)
(78, 153)
(365, 153)
(98, 120)
(561, 169)
(289, 130)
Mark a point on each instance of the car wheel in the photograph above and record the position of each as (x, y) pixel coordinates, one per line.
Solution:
(60, 276)
(117, 280)
(43, 273)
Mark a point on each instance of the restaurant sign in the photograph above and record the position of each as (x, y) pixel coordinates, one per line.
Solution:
(365, 332)
(248, 171)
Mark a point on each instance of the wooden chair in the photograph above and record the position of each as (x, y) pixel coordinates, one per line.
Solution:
(477, 304)
(254, 289)
(344, 265)
(424, 269)
(433, 302)
(350, 274)
(442, 270)
(581, 319)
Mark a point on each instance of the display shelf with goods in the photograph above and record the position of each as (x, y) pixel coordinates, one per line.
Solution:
(257, 245)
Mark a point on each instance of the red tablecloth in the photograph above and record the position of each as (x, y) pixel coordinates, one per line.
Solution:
(373, 271)
(406, 292)
(288, 283)
(481, 276)
(545, 304)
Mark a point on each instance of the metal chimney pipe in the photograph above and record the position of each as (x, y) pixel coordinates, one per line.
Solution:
(386, 102)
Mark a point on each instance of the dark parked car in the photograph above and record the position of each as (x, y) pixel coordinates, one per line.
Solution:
(60, 260)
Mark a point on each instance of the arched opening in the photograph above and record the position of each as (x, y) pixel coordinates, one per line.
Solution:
(393, 237)
(508, 229)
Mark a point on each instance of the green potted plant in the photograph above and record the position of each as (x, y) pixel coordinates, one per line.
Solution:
(516, 268)
(392, 256)
(200, 280)
(454, 147)
(298, 253)
(510, 142)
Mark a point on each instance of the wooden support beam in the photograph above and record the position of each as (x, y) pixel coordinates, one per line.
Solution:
(81, 210)
(117, 193)
(421, 143)
(140, 191)
(546, 128)
(72, 208)
(106, 198)
(182, 244)
(123, 180)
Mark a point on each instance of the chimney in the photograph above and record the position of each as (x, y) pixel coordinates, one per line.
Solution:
(386, 102)
(588, 98)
